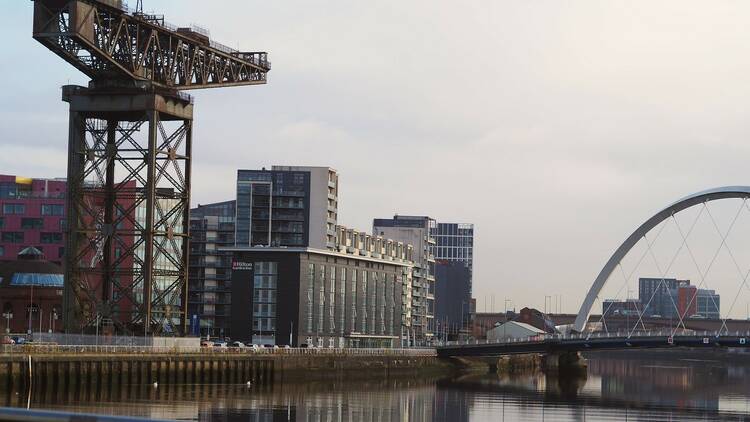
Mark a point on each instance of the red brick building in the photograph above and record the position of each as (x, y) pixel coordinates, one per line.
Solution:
(31, 214)
(31, 290)
(687, 302)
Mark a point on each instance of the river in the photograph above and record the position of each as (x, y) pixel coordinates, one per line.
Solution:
(625, 386)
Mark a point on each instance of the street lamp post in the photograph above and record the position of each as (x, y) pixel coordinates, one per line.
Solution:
(505, 317)
(8, 316)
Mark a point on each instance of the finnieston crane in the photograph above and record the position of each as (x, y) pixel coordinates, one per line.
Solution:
(129, 158)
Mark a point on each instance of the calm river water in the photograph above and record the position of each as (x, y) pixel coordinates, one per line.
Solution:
(654, 386)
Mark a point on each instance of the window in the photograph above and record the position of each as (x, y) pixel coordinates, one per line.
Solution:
(2, 250)
(61, 252)
(52, 209)
(2, 222)
(12, 237)
(50, 238)
(32, 223)
(14, 209)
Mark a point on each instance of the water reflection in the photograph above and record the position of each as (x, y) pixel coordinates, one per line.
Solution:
(645, 387)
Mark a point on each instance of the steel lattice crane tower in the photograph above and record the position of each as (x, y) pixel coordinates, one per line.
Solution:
(129, 158)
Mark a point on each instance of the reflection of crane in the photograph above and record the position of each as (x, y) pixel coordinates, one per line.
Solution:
(130, 154)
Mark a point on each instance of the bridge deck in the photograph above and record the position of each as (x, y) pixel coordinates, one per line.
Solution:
(557, 344)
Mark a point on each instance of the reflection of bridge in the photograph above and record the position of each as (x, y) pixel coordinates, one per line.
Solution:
(557, 344)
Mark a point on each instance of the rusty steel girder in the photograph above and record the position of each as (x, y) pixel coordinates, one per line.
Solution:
(105, 41)
(128, 211)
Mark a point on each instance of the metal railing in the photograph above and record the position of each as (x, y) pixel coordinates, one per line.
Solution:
(542, 338)
(34, 415)
(144, 350)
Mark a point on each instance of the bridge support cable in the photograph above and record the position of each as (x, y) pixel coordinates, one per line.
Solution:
(736, 265)
(627, 278)
(663, 276)
(638, 310)
(722, 244)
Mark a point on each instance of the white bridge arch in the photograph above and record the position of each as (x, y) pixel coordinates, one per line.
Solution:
(684, 203)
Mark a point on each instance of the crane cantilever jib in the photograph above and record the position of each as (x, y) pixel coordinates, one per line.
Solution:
(106, 42)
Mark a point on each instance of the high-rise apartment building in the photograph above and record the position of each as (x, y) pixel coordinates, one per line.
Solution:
(454, 242)
(287, 206)
(454, 247)
(209, 303)
(416, 231)
(32, 213)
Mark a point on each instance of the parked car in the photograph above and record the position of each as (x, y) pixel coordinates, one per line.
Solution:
(7, 340)
(19, 340)
(220, 344)
(207, 343)
(238, 344)
(306, 346)
(286, 346)
(255, 347)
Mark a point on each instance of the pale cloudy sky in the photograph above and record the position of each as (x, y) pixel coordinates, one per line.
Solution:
(555, 126)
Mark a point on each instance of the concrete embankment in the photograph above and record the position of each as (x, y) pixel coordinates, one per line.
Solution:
(81, 371)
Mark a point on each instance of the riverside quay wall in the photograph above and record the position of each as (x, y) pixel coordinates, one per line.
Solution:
(91, 368)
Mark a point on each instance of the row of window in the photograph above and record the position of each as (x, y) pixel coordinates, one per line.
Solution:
(19, 237)
(29, 223)
(60, 251)
(264, 294)
(373, 306)
(46, 209)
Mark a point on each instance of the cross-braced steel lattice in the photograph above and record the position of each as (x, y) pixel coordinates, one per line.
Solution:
(129, 157)
(128, 207)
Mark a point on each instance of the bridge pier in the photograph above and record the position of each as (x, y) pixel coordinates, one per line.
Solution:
(564, 362)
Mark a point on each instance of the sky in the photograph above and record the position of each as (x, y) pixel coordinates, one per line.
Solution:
(555, 127)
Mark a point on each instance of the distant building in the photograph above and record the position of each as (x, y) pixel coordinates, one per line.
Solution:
(453, 303)
(536, 318)
(357, 294)
(211, 228)
(287, 206)
(513, 330)
(673, 298)
(687, 300)
(454, 242)
(32, 214)
(709, 304)
(416, 231)
(659, 296)
(454, 248)
(485, 321)
(31, 290)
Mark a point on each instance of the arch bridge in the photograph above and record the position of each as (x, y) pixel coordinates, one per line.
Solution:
(580, 340)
